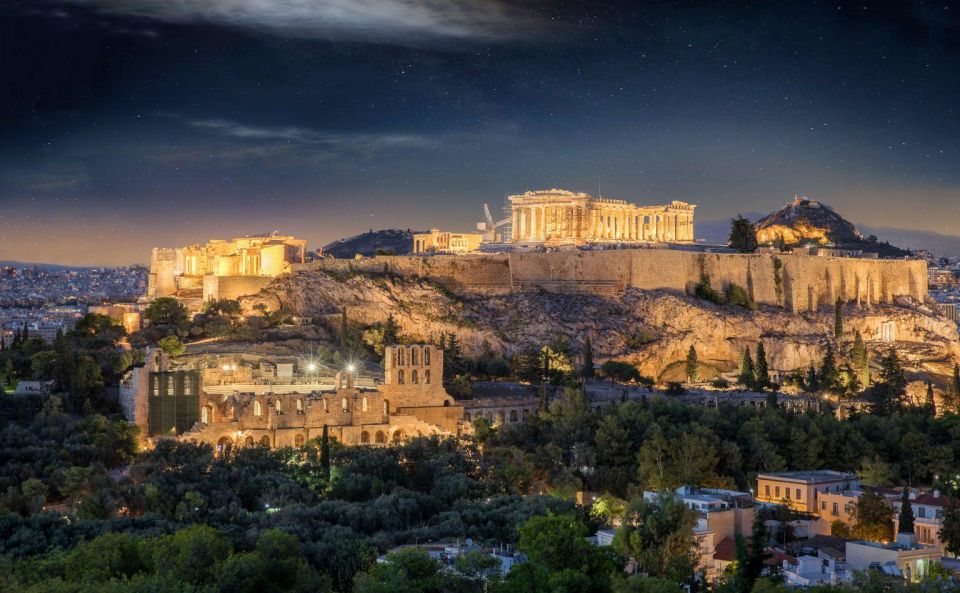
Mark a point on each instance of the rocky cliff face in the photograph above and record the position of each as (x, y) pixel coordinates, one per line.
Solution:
(651, 328)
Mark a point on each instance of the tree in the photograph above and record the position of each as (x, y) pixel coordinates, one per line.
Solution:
(860, 360)
(325, 451)
(453, 362)
(950, 531)
(743, 235)
(838, 319)
(391, 331)
(620, 371)
(874, 471)
(344, 331)
(746, 375)
(905, 518)
(172, 346)
(659, 536)
(557, 547)
(873, 519)
(165, 311)
(587, 371)
(827, 377)
(761, 371)
(693, 365)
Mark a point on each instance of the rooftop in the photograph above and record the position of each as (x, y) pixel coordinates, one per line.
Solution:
(813, 476)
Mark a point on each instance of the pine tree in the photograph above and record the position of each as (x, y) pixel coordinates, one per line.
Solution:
(693, 365)
(828, 369)
(453, 363)
(891, 373)
(391, 331)
(860, 360)
(930, 403)
(906, 513)
(838, 319)
(746, 368)
(743, 235)
(587, 370)
(325, 451)
(761, 370)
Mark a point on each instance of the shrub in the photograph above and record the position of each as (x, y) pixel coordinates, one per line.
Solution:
(738, 295)
(675, 388)
(704, 291)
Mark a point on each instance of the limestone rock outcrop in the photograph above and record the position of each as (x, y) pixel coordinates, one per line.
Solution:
(652, 328)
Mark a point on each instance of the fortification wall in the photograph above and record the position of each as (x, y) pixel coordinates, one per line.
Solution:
(232, 287)
(796, 282)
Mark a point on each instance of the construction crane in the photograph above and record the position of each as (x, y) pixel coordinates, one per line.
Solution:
(490, 228)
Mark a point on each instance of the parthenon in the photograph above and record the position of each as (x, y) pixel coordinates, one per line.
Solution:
(557, 217)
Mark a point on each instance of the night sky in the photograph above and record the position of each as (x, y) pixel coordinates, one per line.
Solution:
(126, 124)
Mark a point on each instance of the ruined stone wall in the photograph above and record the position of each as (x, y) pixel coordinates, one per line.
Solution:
(796, 282)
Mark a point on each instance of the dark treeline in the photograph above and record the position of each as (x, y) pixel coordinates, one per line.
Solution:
(249, 507)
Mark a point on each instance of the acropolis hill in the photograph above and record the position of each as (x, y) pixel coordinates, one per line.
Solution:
(633, 304)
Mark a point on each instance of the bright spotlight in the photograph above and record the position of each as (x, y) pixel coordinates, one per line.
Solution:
(351, 368)
(312, 367)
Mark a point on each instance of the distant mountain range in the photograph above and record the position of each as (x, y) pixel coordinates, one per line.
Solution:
(42, 266)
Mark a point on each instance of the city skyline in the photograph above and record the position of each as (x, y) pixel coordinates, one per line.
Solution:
(150, 124)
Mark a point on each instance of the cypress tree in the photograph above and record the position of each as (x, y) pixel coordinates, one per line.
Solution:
(761, 370)
(861, 360)
(838, 319)
(930, 403)
(453, 363)
(391, 331)
(812, 382)
(746, 367)
(344, 328)
(325, 451)
(587, 370)
(693, 365)
(953, 391)
(906, 513)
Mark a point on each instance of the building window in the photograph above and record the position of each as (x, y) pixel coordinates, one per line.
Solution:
(187, 386)
(169, 385)
(400, 356)
(364, 437)
(798, 494)
(326, 406)
(787, 492)
(922, 512)
(823, 505)
(777, 490)
(300, 406)
(413, 356)
(426, 376)
(363, 404)
(204, 415)
(381, 437)
(414, 377)
(343, 404)
(298, 440)
(156, 386)
(426, 356)
(400, 377)
(386, 407)
(257, 408)
(766, 490)
(278, 406)
(835, 511)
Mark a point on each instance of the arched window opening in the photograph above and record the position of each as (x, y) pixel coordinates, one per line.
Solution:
(381, 437)
(204, 415)
(300, 407)
(414, 377)
(426, 376)
(386, 407)
(400, 377)
(398, 436)
(248, 442)
(344, 406)
(224, 445)
(513, 415)
(298, 440)
(363, 403)
(265, 441)
(326, 406)
(278, 405)
(257, 408)
(399, 356)
(426, 356)
(413, 357)
(364, 437)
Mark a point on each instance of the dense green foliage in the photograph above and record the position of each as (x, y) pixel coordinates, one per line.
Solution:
(743, 235)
